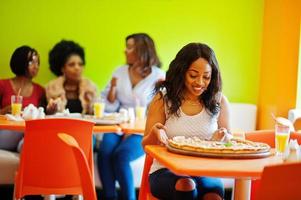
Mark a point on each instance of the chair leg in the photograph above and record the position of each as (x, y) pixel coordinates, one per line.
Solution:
(49, 197)
(14, 194)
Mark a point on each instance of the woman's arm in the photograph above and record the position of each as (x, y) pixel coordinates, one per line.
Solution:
(112, 92)
(223, 131)
(155, 130)
(5, 110)
(224, 116)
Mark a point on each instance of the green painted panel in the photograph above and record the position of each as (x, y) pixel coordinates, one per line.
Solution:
(232, 28)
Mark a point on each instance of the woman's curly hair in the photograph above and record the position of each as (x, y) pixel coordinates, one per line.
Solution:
(175, 78)
(60, 53)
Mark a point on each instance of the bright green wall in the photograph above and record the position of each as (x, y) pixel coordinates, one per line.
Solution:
(232, 28)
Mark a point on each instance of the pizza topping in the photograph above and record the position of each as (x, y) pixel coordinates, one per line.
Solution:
(235, 145)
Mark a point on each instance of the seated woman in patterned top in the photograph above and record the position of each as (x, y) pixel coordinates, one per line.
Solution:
(189, 103)
(70, 90)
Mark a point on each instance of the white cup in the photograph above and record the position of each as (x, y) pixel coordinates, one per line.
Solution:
(131, 114)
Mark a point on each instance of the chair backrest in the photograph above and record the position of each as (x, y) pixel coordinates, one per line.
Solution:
(46, 166)
(265, 136)
(297, 124)
(84, 171)
(280, 182)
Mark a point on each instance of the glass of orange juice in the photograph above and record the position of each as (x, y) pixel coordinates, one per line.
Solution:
(140, 112)
(98, 108)
(282, 134)
(16, 105)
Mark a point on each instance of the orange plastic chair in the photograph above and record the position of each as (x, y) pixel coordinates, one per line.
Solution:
(144, 192)
(280, 182)
(297, 124)
(268, 137)
(46, 163)
(83, 167)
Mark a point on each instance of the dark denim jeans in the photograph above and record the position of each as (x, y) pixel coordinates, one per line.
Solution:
(162, 185)
(114, 157)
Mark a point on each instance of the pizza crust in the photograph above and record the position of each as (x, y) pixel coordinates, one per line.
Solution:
(235, 145)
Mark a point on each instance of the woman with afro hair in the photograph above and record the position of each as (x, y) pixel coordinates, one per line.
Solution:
(70, 89)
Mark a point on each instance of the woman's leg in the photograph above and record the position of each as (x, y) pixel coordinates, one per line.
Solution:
(166, 185)
(209, 188)
(105, 164)
(9, 140)
(129, 149)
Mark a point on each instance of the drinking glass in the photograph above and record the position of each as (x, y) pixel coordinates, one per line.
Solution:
(16, 105)
(98, 108)
(282, 134)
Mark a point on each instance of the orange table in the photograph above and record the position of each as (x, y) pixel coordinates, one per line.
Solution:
(20, 126)
(242, 170)
(137, 126)
(11, 125)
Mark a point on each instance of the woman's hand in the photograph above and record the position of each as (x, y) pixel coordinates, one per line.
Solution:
(88, 96)
(112, 92)
(221, 134)
(52, 106)
(5, 110)
(113, 82)
(160, 132)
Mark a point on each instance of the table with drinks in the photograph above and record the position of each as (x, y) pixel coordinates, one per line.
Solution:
(133, 120)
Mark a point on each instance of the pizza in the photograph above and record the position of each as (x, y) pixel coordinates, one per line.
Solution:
(233, 146)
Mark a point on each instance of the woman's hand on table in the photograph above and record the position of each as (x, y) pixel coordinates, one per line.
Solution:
(160, 131)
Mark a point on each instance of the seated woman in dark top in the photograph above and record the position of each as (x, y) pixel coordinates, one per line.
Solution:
(70, 90)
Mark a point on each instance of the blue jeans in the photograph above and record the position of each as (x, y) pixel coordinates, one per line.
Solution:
(114, 157)
(162, 185)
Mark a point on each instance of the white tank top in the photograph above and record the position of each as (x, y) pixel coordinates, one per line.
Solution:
(203, 125)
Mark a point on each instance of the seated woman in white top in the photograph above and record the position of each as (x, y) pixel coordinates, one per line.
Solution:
(190, 103)
(135, 79)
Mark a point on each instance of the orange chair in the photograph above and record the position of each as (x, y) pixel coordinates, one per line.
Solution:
(280, 182)
(144, 192)
(297, 124)
(46, 165)
(83, 167)
(268, 137)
